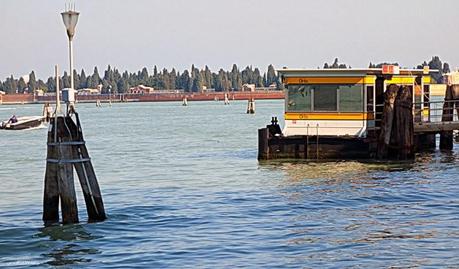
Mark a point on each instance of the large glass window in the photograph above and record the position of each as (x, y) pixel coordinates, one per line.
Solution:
(299, 98)
(350, 98)
(327, 98)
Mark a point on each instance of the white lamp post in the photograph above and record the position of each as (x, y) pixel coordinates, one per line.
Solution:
(70, 18)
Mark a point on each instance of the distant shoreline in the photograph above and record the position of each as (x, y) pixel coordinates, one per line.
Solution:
(15, 99)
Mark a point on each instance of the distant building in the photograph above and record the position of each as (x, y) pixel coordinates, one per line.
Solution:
(141, 89)
(39, 92)
(88, 91)
(248, 87)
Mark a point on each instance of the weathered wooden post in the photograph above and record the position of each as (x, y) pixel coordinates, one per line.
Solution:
(251, 106)
(387, 121)
(403, 131)
(446, 137)
(263, 144)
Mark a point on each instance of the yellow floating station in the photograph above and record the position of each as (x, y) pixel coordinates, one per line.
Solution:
(336, 113)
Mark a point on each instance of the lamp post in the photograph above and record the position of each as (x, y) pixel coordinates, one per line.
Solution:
(70, 18)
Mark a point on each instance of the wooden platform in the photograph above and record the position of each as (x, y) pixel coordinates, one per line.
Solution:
(435, 127)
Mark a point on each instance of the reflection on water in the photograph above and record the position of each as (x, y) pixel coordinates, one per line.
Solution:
(69, 249)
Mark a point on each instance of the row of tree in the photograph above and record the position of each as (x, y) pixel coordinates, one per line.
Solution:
(113, 80)
(192, 80)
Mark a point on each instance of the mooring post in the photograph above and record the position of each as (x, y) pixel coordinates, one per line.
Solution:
(387, 120)
(446, 137)
(251, 106)
(263, 144)
(87, 176)
(403, 133)
(65, 174)
(51, 189)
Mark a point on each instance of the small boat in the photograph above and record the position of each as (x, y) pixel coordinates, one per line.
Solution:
(23, 123)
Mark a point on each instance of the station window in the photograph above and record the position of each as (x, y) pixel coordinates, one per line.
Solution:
(299, 98)
(350, 98)
(327, 98)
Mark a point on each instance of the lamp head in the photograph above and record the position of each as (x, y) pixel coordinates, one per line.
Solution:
(70, 21)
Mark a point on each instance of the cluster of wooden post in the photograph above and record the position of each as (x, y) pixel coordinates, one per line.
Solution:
(251, 106)
(66, 151)
(396, 138)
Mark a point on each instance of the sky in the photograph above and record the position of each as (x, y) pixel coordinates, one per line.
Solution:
(130, 35)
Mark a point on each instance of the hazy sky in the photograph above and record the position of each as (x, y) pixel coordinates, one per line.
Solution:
(177, 33)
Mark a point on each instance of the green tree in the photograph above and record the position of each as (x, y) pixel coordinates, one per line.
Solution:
(270, 76)
(436, 64)
(83, 80)
(76, 80)
(198, 82)
(65, 80)
(258, 79)
(51, 84)
(235, 77)
(21, 86)
(335, 64)
(32, 85)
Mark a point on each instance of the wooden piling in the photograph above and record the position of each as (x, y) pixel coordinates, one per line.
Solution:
(403, 135)
(87, 177)
(263, 144)
(387, 121)
(51, 188)
(446, 137)
(251, 106)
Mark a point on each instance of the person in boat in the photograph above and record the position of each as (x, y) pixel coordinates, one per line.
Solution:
(13, 119)
(47, 111)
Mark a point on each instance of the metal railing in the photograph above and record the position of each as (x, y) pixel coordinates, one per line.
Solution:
(436, 111)
(432, 111)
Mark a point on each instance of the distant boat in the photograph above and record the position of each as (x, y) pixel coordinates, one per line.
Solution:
(23, 123)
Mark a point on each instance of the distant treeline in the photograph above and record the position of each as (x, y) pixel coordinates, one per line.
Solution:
(112, 79)
(189, 81)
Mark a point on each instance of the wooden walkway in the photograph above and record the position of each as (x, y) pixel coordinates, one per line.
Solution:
(435, 127)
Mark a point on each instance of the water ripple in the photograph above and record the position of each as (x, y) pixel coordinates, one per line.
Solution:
(178, 196)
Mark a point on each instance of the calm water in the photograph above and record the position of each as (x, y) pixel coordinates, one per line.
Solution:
(183, 189)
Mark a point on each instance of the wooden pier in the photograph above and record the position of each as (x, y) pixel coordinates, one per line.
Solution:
(400, 131)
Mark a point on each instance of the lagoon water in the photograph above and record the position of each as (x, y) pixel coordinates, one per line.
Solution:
(183, 189)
